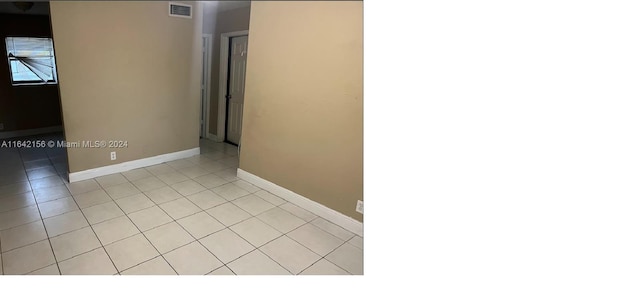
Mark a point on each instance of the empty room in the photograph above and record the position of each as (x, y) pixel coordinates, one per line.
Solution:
(181, 138)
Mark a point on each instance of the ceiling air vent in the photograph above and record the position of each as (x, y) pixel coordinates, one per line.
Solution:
(180, 10)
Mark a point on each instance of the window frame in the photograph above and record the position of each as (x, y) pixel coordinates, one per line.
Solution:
(31, 82)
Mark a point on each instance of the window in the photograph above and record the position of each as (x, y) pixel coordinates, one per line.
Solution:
(31, 60)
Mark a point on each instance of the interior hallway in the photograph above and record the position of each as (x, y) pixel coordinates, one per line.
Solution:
(188, 216)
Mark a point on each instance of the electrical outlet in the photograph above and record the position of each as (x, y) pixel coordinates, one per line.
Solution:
(1, 126)
(360, 207)
(113, 156)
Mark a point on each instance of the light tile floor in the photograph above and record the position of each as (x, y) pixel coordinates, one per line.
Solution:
(190, 216)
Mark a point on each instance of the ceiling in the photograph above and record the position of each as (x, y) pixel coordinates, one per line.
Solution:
(39, 8)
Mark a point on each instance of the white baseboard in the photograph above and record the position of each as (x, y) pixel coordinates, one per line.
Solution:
(129, 165)
(29, 132)
(303, 202)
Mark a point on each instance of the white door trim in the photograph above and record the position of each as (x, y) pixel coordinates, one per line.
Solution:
(222, 83)
(208, 38)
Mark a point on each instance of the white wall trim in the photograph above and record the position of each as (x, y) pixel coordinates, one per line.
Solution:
(129, 165)
(208, 40)
(305, 203)
(222, 83)
(29, 132)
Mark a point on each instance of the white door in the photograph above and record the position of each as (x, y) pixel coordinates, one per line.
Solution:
(235, 95)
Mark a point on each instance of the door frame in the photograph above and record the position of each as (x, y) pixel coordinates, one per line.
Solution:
(222, 83)
(207, 41)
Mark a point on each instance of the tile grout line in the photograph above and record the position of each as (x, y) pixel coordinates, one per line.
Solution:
(92, 230)
(141, 232)
(195, 240)
(227, 181)
(131, 221)
(42, 220)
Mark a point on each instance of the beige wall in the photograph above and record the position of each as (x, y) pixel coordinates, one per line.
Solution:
(128, 72)
(225, 21)
(302, 126)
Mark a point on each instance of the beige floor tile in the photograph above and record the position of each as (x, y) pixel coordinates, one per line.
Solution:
(17, 217)
(50, 193)
(194, 171)
(134, 203)
(256, 263)
(192, 259)
(15, 188)
(210, 180)
(332, 229)
(57, 207)
(148, 183)
(16, 201)
(221, 271)
(228, 214)
(160, 169)
(271, 198)
(230, 191)
(155, 266)
(48, 270)
(131, 252)
(188, 187)
(92, 198)
(298, 211)
(115, 229)
(122, 190)
(255, 232)
(65, 223)
(206, 199)
(102, 212)
(200, 224)
(136, 174)
(111, 180)
(22, 235)
(83, 186)
(315, 239)
(347, 257)
(172, 177)
(253, 204)
(27, 259)
(226, 245)
(246, 186)
(41, 173)
(74, 243)
(324, 267)
(168, 237)
(95, 262)
(180, 163)
(230, 174)
(357, 241)
(150, 218)
(289, 254)
(281, 220)
(162, 195)
(47, 182)
(180, 208)
(214, 166)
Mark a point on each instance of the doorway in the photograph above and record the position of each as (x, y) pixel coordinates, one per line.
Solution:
(233, 60)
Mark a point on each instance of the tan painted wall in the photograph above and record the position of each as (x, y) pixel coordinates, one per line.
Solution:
(128, 72)
(303, 126)
(225, 21)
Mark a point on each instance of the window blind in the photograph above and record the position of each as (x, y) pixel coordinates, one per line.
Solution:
(31, 59)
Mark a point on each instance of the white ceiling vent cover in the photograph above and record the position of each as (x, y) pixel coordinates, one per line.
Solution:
(179, 10)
